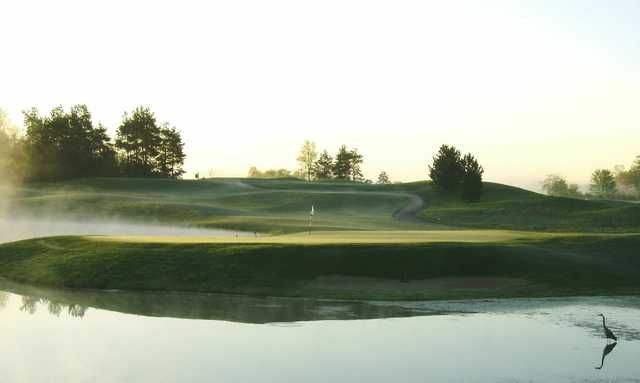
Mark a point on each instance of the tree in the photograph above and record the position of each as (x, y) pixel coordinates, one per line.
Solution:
(342, 164)
(472, 178)
(573, 191)
(323, 167)
(629, 181)
(10, 149)
(355, 160)
(269, 173)
(139, 138)
(383, 178)
(555, 185)
(603, 183)
(447, 170)
(253, 172)
(307, 158)
(171, 153)
(66, 144)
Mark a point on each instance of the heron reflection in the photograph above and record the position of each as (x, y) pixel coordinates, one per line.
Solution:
(607, 349)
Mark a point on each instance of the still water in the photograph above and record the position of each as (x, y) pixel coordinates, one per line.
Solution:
(69, 336)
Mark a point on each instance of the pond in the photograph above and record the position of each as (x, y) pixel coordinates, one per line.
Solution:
(49, 335)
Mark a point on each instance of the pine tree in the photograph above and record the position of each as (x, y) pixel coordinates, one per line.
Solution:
(323, 167)
(472, 179)
(447, 169)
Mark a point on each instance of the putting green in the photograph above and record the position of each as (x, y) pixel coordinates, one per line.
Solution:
(352, 237)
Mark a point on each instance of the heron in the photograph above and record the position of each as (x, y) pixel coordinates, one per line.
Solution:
(607, 333)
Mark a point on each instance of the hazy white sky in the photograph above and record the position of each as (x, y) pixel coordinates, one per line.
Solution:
(530, 87)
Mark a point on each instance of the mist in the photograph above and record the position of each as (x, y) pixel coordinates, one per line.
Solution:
(18, 222)
(14, 228)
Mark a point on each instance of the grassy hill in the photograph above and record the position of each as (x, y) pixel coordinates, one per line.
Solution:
(507, 207)
(282, 206)
(253, 205)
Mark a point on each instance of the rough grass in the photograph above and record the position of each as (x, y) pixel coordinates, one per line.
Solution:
(551, 264)
(505, 207)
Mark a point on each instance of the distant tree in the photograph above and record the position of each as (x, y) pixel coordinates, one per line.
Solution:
(629, 181)
(447, 170)
(269, 173)
(170, 153)
(253, 172)
(103, 152)
(472, 178)
(138, 136)
(11, 162)
(555, 185)
(573, 190)
(355, 161)
(323, 167)
(383, 178)
(347, 165)
(342, 164)
(307, 158)
(65, 144)
(603, 183)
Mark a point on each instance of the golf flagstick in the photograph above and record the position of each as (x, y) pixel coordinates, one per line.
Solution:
(311, 218)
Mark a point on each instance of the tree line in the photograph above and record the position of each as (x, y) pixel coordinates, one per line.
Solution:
(67, 144)
(450, 172)
(346, 165)
(605, 183)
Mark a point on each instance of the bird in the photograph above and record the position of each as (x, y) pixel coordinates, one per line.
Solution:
(607, 333)
(607, 349)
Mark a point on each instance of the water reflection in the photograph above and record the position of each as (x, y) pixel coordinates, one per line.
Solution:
(30, 305)
(577, 311)
(203, 306)
(4, 298)
(504, 340)
(607, 349)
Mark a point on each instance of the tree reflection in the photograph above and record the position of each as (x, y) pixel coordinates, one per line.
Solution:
(4, 298)
(55, 308)
(30, 305)
(607, 349)
(76, 311)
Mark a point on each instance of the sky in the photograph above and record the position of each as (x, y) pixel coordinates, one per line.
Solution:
(531, 88)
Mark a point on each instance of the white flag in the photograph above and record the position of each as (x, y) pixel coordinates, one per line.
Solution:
(312, 211)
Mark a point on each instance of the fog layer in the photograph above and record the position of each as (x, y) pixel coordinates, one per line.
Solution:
(25, 227)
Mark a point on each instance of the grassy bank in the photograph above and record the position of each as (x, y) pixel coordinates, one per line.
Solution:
(516, 265)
